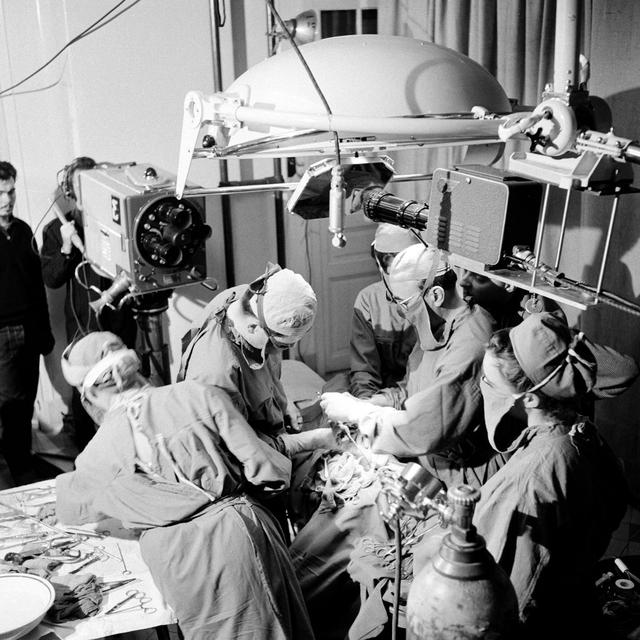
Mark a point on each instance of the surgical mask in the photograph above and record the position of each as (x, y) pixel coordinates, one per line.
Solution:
(498, 403)
(283, 342)
(249, 354)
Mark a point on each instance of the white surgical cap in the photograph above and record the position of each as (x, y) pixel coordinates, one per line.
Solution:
(288, 304)
(390, 238)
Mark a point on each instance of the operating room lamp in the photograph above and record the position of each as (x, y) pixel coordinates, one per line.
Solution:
(303, 28)
(385, 93)
(365, 95)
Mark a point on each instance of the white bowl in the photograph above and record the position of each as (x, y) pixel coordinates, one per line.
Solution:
(24, 599)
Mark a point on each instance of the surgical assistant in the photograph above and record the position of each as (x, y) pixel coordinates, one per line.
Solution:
(180, 463)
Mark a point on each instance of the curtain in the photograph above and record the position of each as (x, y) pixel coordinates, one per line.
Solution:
(514, 40)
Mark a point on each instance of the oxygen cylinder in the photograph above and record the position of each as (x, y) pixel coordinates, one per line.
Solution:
(462, 593)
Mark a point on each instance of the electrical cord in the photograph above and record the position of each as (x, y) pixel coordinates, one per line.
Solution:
(397, 581)
(221, 16)
(314, 82)
(92, 28)
(44, 215)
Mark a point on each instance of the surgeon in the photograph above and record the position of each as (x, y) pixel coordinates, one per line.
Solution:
(181, 464)
(435, 414)
(381, 338)
(237, 345)
(548, 514)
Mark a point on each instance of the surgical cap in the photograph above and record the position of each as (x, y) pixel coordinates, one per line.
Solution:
(81, 356)
(417, 263)
(289, 304)
(390, 238)
(545, 347)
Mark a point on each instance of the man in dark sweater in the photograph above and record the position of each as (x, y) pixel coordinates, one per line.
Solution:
(25, 332)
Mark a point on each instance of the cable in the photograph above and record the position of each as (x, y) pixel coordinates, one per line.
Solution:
(420, 238)
(74, 311)
(314, 82)
(84, 284)
(221, 17)
(4, 93)
(92, 30)
(397, 581)
(308, 259)
(44, 215)
(34, 245)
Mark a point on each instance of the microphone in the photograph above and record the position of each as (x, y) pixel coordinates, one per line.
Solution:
(382, 206)
(75, 238)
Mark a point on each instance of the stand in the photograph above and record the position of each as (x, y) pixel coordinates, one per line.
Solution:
(154, 352)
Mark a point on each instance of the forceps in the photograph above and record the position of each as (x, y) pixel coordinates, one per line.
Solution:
(133, 594)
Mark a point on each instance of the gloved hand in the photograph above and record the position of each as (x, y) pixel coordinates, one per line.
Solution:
(380, 400)
(67, 231)
(307, 441)
(343, 407)
(294, 416)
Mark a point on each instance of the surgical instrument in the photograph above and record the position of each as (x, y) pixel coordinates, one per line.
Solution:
(91, 559)
(133, 594)
(125, 569)
(105, 587)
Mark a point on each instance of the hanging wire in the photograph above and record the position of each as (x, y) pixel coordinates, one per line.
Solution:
(92, 28)
(314, 82)
(221, 16)
(397, 579)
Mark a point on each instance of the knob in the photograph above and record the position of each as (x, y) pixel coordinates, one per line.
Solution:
(208, 141)
(463, 495)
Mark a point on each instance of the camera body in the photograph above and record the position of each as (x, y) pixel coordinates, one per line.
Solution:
(137, 232)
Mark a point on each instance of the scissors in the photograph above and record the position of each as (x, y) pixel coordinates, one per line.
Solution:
(133, 594)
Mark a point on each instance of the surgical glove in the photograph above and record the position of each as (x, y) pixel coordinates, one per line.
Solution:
(67, 231)
(293, 416)
(307, 441)
(343, 407)
(380, 400)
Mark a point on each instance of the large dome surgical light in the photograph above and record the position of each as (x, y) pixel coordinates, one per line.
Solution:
(385, 93)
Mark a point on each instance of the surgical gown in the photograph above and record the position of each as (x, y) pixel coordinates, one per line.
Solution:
(381, 341)
(547, 517)
(441, 421)
(216, 554)
(216, 355)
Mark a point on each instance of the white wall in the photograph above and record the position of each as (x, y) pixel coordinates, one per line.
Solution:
(116, 96)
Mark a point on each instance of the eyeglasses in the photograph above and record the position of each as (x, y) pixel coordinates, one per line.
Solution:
(497, 390)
